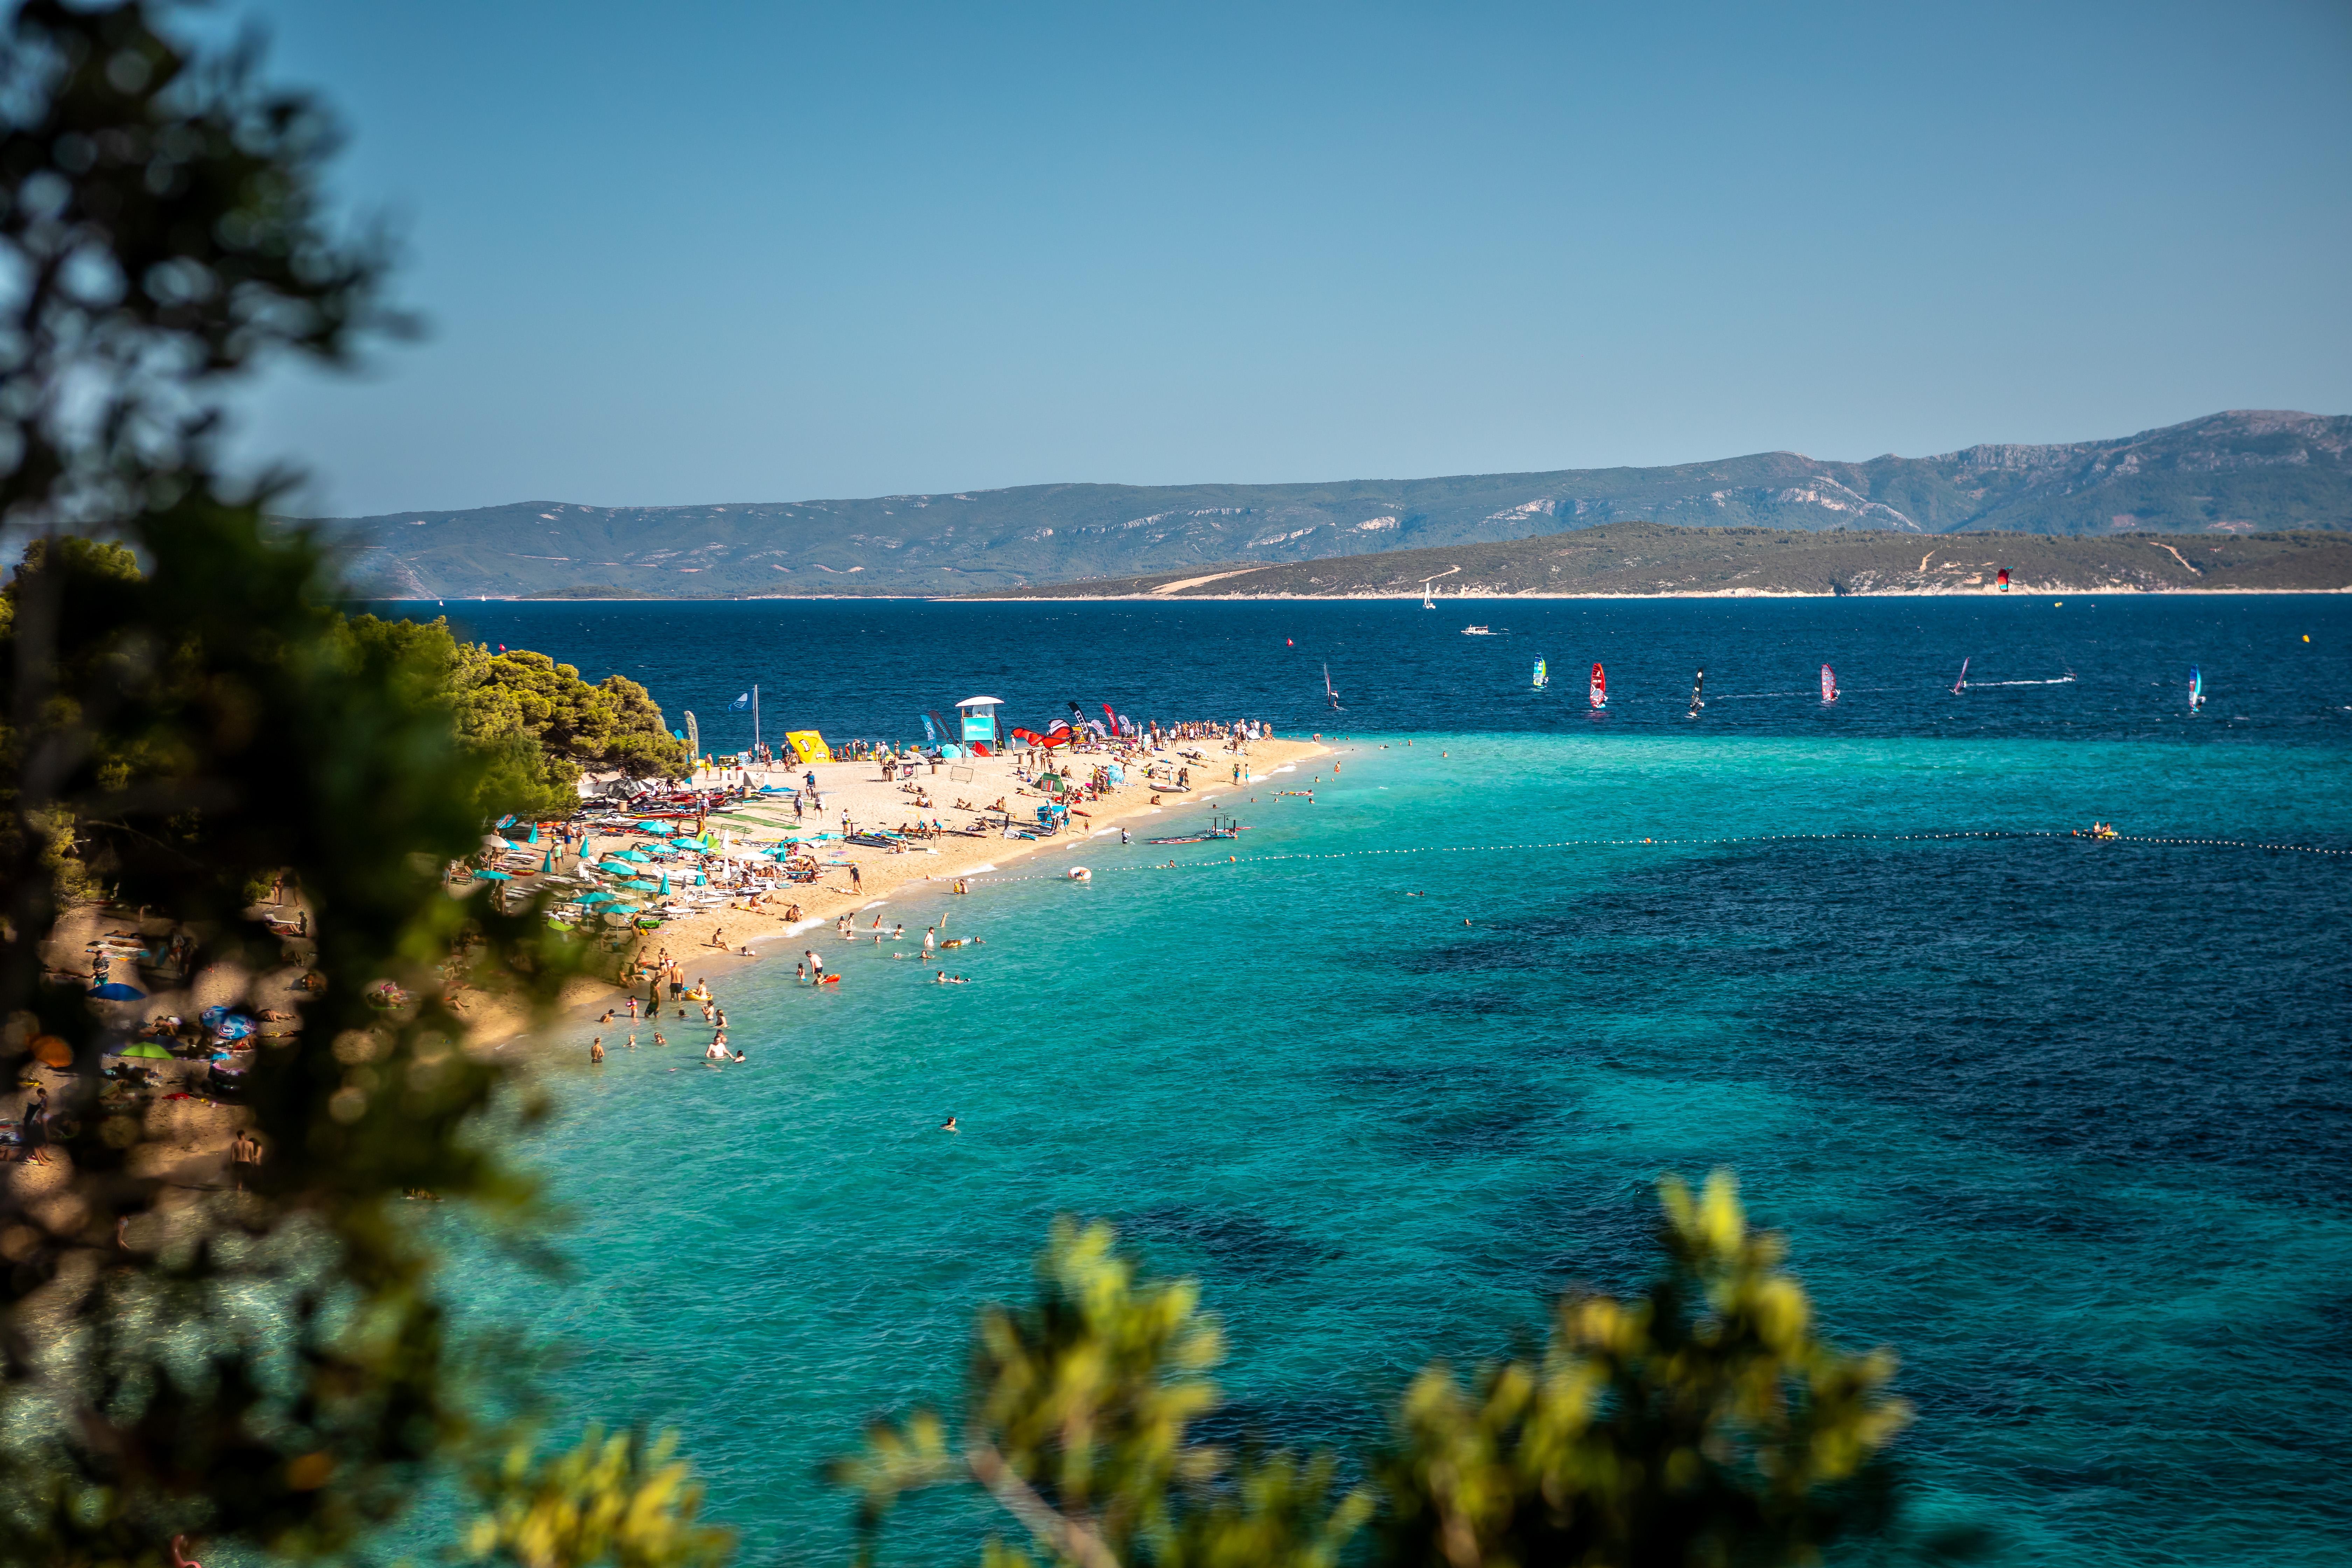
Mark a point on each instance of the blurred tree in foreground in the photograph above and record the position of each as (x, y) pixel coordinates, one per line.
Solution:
(186, 714)
(1705, 1423)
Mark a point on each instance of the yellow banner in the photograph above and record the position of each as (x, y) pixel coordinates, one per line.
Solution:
(807, 745)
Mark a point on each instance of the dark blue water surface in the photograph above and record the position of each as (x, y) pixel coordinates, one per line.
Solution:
(871, 668)
(2066, 1123)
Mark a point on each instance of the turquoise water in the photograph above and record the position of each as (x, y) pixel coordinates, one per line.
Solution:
(2066, 1123)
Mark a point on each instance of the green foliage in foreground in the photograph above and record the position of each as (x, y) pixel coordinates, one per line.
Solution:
(267, 1365)
(1706, 1423)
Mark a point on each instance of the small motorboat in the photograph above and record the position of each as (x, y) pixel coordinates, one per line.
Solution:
(1477, 631)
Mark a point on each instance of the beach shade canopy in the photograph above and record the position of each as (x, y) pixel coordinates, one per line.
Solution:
(115, 990)
(663, 828)
(492, 841)
(598, 897)
(641, 885)
(146, 1050)
(51, 1051)
(494, 875)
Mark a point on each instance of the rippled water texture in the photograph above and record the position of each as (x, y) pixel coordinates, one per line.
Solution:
(2064, 1122)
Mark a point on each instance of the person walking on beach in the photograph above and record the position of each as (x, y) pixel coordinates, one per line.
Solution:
(857, 883)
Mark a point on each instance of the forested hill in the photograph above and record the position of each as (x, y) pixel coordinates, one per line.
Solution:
(1656, 558)
(2229, 473)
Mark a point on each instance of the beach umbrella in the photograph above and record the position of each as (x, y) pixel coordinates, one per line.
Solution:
(494, 875)
(146, 1050)
(598, 897)
(548, 864)
(641, 885)
(115, 990)
(533, 837)
(492, 841)
(665, 887)
(52, 1051)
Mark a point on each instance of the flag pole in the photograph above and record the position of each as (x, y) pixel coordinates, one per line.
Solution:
(755, 723)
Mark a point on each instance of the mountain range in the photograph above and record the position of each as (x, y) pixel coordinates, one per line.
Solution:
(2234, 472)
(1654, 558)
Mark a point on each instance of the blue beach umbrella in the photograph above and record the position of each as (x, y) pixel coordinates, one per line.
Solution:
(115, 990)
(533, 838)
(494, 875)
(598, 896)
(641, 885)
(665, 887)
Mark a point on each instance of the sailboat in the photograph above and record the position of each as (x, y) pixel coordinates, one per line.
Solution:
(2196, 689)
(1698, 684)
(1829, 684)
(1543, 677)
(1426, 602)
(1962, 683)
(1328, 691)
(1600, 691)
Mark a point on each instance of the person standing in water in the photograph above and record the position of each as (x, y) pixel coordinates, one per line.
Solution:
(596, 1050)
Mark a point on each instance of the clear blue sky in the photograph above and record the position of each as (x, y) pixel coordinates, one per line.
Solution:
(709, 253)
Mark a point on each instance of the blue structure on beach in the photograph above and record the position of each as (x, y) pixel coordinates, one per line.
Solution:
(979, 715)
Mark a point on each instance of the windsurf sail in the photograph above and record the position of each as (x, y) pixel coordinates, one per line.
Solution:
(1698, 683)
(1542, 678)
(1328, 690)
(1829, 684)
(2002, 581)
(2196, 689)
(1600, 693)
(1962, 683)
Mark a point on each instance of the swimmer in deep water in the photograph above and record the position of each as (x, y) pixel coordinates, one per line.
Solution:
(949, 1126)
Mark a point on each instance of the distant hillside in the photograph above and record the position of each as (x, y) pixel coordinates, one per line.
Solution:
(1657, 558)
(2229, 473)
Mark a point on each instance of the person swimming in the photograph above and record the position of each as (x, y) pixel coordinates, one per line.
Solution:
(949, 1126)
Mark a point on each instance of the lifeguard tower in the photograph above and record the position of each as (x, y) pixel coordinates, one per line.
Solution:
(978, 716)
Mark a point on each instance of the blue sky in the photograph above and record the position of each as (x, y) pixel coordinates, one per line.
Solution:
(716, 253)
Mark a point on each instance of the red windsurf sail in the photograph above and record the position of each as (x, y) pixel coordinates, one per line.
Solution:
(1600, 693)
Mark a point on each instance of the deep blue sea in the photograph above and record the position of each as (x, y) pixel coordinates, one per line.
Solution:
(2067, 1124)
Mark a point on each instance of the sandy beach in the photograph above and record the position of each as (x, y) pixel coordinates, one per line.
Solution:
(710, 942)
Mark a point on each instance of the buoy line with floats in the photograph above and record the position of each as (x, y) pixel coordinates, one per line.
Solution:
(1660, 843)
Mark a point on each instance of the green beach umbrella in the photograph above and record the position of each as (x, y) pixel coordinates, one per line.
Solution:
(146, 1050)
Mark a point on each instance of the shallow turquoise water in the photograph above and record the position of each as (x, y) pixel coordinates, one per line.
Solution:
(2064, 1123)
